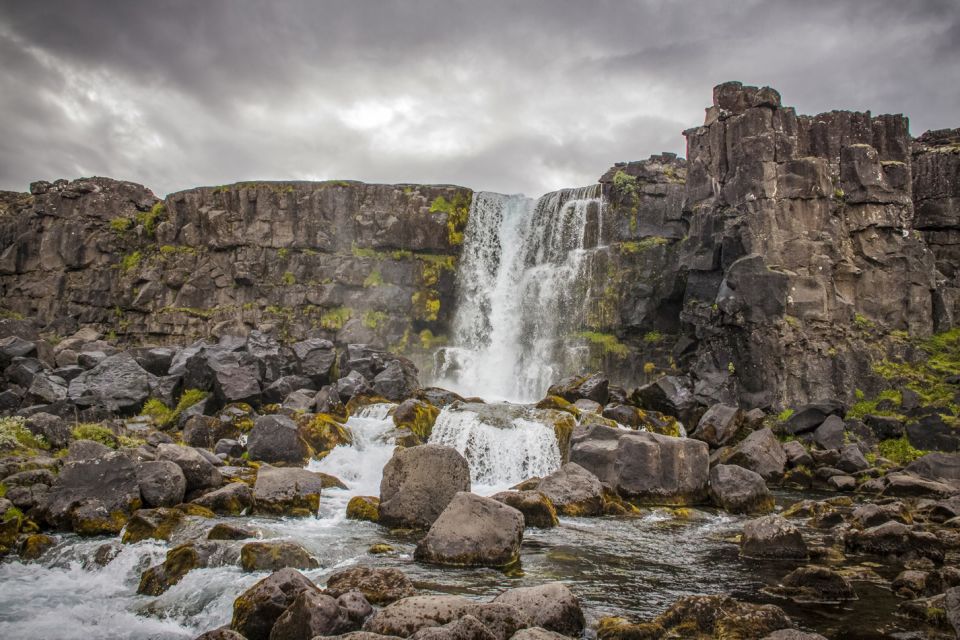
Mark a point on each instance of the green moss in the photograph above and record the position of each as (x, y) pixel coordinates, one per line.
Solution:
(95, 432)
(150, 219)
(784, 415)
(14, 436)
(158, 412)
(939, 358)
(288, 279)
(130, 261)
(625, 184)
(862, 322)
(283, 253)
(7, 314)
(646, 244)
(168, 250)
(428, 340)
(374, 319)
(899, 450)
(426, 305)
(457, 211)
(334, 319)
(652, 337)
(863, 407)
(609, 343)
(373, 279)
(121, 225)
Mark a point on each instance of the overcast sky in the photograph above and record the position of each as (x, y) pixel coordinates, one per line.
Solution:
(524, 96)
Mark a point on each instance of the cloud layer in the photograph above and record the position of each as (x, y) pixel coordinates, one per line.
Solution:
(506, 96)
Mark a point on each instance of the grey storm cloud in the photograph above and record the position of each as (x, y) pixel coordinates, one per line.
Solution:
(507, 96)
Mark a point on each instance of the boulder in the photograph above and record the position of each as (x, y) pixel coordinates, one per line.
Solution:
(257, 609)
(117, 384)
(829, 435)
(51, 428)
(797, 455)
(739, 490)
(315, 358)
(356, 606)
(282, 387)
(810, 416)
(671, 395)
(158, 524)
(311, 614)
(418, 484)
(234, 499)
(277, 439)
(322, 433)
(720, 616)
(646, 468)
(535, 506)
(772, 537)
(378, 585)
(417, 416)
(205, 431)
(405, 617)
(573, 490)
(224, 531)
(232, 376)
(895, 539)
(95, 496)
(364, 508)
(220, 634)
(272, 555)
(181, 560)
(870, 515)
(473, 531)
(465, 628)
(292, 492)
(814, 584)
(852, 459)
(551, 606)
(760, 452)
(594, 387)
(718, 425)
(198, 471)
(940, 467)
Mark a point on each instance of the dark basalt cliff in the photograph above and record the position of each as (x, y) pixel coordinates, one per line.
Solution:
(774, 265)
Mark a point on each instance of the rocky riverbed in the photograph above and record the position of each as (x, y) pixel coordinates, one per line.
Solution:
(248, 488)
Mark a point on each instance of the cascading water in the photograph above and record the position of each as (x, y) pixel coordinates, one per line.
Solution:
(522, 292)
(503, 444)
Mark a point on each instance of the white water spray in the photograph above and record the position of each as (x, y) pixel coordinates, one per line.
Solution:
(522, 291)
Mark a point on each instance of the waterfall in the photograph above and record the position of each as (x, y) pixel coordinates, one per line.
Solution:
(504, 444)
(521, 292)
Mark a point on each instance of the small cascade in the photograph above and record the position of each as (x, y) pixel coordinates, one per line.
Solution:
(522, 292)
(504, 444)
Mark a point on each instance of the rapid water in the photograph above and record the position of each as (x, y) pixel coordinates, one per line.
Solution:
(522, 292)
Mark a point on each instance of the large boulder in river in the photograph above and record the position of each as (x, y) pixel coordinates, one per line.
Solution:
(198, 471)
(291, 492)
(762, 453)
(573, 490)
(276, 438)
(418, 484)
(234, 499)
(473, 532)
(739, 490)
(378, 585)
(272, 555)
(257, 609)
(551, 606)
(117, 384)
(535, 506)
(94, 496)
(772, 537)
(646, 468)
(310, 615)
(720, 616)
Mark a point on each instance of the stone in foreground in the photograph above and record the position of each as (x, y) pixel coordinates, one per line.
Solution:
(418, 484)
(473, 531)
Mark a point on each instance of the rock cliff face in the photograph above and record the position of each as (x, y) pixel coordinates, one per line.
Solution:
(347, 261)
(774, 265)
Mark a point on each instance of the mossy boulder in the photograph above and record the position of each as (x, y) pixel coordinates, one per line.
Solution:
(257, 609)
(158, 524)
(322, 432)
(93, 519)
(234, 499)
(573, 491)
(224, 531)
(535, 506)
(364, 508)
(273, 555)
(417, 416)
(616, 628)
(35, 545)
(656, 422)
(179, 561)
(559, 404)
(290, 492)
(720, 616)
(358, 402)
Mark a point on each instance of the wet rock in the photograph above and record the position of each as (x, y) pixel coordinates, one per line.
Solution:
(417, 416)
(793, 634)
(233, 499)
(158, 524)
(871, 515)
(573, 490)
(405, 617)
(356, 606)
(718, 425)
(117, 384)
(398, 380)
(162, 483)
(739, 490)
(760, 452)
(537, 633)
(721, 616)
(915, 584)
(224, 531)
(535, 506)
(93, 496)
(895, 539)
(419, 483)
(772, 537)
(473, 531)
(551, 606)
(257, 609)
(293, 492)
(277, 439)
(179, 561)
(378, 585)
(645, 468)
(322, 433)
(593, 387)
(906, 485)
(198, 471)
(273, 555)
(35, 545)
(364, 508)
(815, 584)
